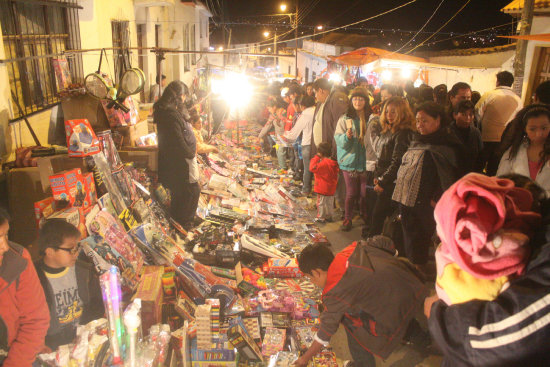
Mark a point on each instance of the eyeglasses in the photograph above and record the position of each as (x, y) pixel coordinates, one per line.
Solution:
(73, 251)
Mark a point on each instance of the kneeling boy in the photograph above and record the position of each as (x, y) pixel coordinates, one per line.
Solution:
(71, 286)
(374, 294)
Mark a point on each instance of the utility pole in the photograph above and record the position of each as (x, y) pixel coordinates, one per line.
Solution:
(296, 42)
(521, 45)
(276, 59)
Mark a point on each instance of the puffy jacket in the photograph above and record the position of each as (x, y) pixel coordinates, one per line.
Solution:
(373, 293)
(351, 152)
(393, 147)
(24, 316)
(326, 175)
(512, 330)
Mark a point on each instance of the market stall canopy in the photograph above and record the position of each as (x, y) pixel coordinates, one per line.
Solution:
(366, 55)
(531, 37)
(516, 6)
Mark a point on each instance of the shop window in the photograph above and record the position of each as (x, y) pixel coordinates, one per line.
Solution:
(121, 40)
(33, 35)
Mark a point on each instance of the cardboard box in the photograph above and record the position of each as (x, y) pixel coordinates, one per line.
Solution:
(76, 107)
(49, 166)
(141, 157)
(68, 186)
(75, 216)
(81, 138)
(151, 295)
(282, 268)
(246, 346)
(42, 209)
(131, 133)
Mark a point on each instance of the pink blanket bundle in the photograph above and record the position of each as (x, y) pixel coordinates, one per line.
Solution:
(484, 224)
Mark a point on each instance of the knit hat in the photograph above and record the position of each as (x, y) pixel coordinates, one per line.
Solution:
(360, 92)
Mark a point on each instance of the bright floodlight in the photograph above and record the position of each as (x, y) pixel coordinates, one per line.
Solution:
(283, 7)
(320, 27)
(406, 73)
(386, 74)
(335, 78)
(418, 82)
(235, 89)
(266, 34)
(220, 48)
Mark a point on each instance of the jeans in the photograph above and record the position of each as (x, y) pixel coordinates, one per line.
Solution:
(306, 157)
(356, 187)
(281, 156)
(361, 357)
(383, 208)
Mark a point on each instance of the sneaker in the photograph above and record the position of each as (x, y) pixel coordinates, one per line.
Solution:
(346, 225)
(319, 220)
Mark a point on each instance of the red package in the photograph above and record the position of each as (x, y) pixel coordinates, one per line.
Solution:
(81, 139)
(69, 187)
(74, 216)
(89, 185)
(43, 209)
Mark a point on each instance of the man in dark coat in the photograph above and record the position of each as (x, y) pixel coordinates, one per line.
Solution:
(373, 293)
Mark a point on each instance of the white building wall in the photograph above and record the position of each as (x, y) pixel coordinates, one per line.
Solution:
(540, 25)
(313, 63)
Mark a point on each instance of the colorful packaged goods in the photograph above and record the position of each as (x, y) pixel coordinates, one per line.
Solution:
(91, 195)
(204, 326)
(69, 188)
(151, 294)
(81, 139)
(43, 209)
(282, 268)
(246, 346)
(274, 341)
(75, 216)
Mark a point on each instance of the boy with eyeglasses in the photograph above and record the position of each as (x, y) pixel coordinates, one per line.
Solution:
(70, 285)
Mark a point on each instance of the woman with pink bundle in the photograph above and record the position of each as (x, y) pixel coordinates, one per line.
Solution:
(492, 288)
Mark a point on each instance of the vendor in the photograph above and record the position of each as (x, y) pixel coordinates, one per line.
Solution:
(373, 293)
(177, 163)
(202, 147)
(70, 285)
(24, 317)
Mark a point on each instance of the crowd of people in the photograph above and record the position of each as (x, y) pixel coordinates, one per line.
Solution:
(403, 160)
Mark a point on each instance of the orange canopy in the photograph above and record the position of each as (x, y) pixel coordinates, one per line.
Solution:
(532, 37)
(366, 55)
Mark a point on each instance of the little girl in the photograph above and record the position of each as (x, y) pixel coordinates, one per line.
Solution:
(325, 171)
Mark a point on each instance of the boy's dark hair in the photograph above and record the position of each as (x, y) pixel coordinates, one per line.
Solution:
(543, 92)
(53, 233)
(307, 101)
(4, 216)
(325, 149)
(464, 106)
(505, 78)
(458, 86)
(315, 256)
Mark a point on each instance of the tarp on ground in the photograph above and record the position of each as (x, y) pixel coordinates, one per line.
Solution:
(366, 55)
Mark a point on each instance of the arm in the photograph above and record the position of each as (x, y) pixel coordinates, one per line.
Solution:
(402, 142)
(314, 163)
(300, 125)
(340, 134)
(34, 321)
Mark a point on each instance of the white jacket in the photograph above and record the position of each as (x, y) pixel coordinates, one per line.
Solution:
(495, 110)
(520, 165)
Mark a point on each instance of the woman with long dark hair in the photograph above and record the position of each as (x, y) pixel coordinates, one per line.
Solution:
(177, 163)
(350, 143)
(428, 168)
(527, 147)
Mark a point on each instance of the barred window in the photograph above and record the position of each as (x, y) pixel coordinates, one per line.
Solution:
(34, 33)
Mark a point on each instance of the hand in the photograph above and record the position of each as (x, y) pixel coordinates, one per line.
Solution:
(375, 181)
(349, 134)
(379, 189)
(302, 361)
(428, 302)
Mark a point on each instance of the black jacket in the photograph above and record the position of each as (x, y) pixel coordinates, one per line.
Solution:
(176, 143)
(391, 152)
(471, 158)
(512, 330)
(89, 292)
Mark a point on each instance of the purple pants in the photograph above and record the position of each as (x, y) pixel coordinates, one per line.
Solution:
(356, 188)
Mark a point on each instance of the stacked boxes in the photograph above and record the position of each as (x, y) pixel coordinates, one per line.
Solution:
(215, 318)
(68, 187)
(246, 346)
(204, 325)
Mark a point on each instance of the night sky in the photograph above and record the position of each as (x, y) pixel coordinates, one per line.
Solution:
(247, 21)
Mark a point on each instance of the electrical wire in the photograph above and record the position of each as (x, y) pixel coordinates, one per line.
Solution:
(302, 15)
(420, 30)
(440, 28)
(341, 27)
(474, 32)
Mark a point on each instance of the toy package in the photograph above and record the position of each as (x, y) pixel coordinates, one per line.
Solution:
(274, 341)
(118, 117)
(282, 268)
(104, 256)
(75, 216)
(62, 73)
(43, 209)
(81, 139)
(246, 346)
(68, 188)
(100, 222)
